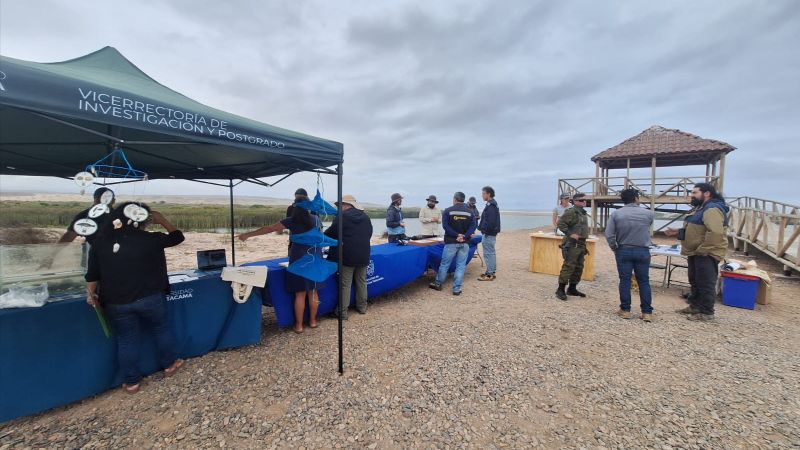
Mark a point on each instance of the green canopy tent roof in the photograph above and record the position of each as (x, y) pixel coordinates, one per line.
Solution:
(56, 118)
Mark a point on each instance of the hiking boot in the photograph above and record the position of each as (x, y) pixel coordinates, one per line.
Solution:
(624, 314)
(700, 317)
(688, 310)
(435, 286)
(647, 317)
(573, 291)
(561, 295)
(486, 277)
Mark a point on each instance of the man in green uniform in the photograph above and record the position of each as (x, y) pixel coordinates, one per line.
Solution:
(574, 223)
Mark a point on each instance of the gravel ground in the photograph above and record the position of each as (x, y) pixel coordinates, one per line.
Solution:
(503, 366)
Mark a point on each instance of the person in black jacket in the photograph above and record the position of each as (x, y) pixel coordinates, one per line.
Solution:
(489, 228)
(356, 234)
(459, 224)
(127, 275)
(395, 225)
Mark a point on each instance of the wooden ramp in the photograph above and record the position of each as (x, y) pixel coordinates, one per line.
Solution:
(771, 227)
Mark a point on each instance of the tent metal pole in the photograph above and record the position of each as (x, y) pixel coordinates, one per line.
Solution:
(233, 230)
(70, 124)
(339, 264)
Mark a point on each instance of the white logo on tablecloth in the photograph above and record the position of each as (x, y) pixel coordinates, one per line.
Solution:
(182, 294)
(371, 277)
(2, 77)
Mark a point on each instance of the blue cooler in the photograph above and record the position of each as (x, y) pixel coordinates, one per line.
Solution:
(739, 291)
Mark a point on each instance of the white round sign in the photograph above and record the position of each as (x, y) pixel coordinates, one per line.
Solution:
(84, 179)
(136, 213)
(85, 227)
(97, 210)
(107, 198)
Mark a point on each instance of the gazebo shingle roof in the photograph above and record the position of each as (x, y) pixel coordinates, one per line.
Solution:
(663, 142)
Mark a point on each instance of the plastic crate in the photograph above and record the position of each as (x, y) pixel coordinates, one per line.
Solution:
(739, 291)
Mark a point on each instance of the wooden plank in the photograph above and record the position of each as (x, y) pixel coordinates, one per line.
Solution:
(782, 250)
(545, 255)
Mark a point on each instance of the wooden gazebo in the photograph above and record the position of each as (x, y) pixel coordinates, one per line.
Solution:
(654, 147)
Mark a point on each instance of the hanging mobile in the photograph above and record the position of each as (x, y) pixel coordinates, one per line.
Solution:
(98, 210)
(85, 227)
(107, 198)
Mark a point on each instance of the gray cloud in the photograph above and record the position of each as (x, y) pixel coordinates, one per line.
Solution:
(433, 98)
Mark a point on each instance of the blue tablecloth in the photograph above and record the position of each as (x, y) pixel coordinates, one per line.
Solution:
(57, 354)
(391, 267)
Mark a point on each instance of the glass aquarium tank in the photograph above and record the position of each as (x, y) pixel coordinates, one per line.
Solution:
(60, 266)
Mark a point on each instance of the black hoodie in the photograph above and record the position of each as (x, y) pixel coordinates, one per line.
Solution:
(357, 232)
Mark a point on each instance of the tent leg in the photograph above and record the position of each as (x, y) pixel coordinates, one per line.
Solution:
(233, 229)
(339, 263)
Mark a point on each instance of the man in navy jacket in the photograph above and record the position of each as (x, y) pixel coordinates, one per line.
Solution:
(459, 224)
(490, 228)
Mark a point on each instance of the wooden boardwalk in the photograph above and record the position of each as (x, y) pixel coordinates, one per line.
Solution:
(770, 226)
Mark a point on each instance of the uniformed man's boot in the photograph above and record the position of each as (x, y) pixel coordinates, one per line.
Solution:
(560, 292)
(573, 290)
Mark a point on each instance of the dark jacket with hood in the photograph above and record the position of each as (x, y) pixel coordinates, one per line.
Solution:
(490, 219)
(356, 232)
(394, 216)
(706, 231)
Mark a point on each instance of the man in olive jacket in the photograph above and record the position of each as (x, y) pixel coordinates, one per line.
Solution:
(574, 223)
(705, 245)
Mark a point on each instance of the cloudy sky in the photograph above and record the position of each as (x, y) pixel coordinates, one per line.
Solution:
(433, 97)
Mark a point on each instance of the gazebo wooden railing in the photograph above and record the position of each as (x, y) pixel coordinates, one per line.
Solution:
(668, 190)
(770, 226)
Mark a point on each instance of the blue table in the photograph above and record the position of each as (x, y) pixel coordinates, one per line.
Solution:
(391, 267)
(57, 354)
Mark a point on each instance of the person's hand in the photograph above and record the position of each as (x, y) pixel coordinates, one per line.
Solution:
(577, 237)
(403, 224)
(460, 238)
(92, 299)
(157, 218)
(671, 232)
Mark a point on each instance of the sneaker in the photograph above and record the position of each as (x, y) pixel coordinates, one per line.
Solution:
(456, 292)
(435, 286)
(647, 317)
(701, 317)
(688, 310)
(486, 277)
(624, 314)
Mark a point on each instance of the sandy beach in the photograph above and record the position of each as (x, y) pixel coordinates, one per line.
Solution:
(503, 366)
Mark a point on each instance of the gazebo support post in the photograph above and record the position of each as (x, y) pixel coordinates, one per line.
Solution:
(233, 228)
(340, 254)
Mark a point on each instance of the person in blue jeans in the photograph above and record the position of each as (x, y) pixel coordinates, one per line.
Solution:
(127, 275)
(489, 228)
(628, 235)
(459, 224)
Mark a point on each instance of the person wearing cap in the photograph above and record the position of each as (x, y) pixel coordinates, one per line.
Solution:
(472, 204)
(459, 224)
(558, 211)
(431, 217)
(574, 223)
(356, 235)
(299, 195)
(628, 235)
(395, 226)
(489, 228)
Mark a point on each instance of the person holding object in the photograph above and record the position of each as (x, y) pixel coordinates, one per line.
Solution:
(127, 275)
(558, 211)
(628, 235)
(396, 227)
(299, 222)
(431, 217)
(355, 240)
(705, 245)
(574, 223)
(459, 224)
(489, 228)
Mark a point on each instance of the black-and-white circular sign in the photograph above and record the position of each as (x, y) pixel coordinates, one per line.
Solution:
(85, 227)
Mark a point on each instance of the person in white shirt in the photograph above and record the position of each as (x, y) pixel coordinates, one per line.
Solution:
(558, 211)
(431, 218)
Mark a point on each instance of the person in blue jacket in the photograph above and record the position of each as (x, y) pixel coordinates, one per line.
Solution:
(459, 224)
(489, 228)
